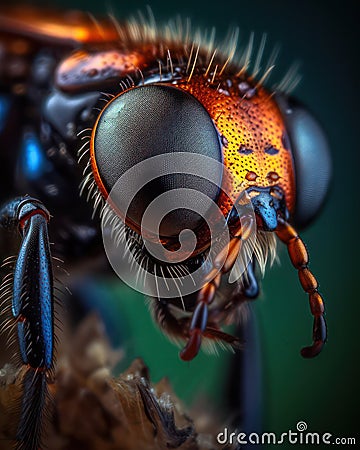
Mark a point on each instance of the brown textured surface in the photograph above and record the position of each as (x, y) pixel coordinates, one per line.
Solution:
(89, 409)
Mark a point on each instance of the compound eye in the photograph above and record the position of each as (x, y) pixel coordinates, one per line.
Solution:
(147, 121)
(310, 150)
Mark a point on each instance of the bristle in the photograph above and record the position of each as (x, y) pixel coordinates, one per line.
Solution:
(265, 249)
(211, 346)
(290, 80)
(264, 77)
(211, 42)
(98, 26)
(8, 322)
(117, 26)
(83, 131)
(32, 410)
(194, 63)
(259, 56)
(245, 59)
(231, 48)
(169, 61)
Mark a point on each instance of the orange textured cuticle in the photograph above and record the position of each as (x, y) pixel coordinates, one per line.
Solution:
(298, 253)
(252, 131)
(286, 233)
(316, 304)
(307, 280)
(207, 293)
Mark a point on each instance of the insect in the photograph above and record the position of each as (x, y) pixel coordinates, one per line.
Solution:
(94, 103)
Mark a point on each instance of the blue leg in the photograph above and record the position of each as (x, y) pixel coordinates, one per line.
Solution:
(245, 390)
(31, 290)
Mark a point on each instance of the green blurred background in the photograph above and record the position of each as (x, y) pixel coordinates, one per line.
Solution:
(322, 392)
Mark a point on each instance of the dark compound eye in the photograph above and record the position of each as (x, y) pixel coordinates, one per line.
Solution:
(147, 121)
(312, 161)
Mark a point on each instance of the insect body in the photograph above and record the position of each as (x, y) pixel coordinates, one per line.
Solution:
(106, 103)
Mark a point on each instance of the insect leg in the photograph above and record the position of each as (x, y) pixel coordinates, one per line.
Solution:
(31, 290)
(248, 289)
(162, 315)
(224, 261)
(244, 395)
(300, 259)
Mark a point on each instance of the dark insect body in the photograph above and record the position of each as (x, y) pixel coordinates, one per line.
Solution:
(82, 102)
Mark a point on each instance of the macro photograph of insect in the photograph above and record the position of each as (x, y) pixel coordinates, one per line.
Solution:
(178, 225)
